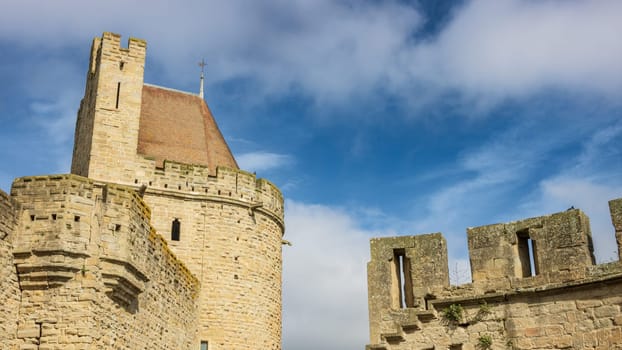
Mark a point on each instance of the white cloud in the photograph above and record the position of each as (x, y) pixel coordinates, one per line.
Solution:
(336, 51)
(324, 279)
(262, 161)
(514, 48)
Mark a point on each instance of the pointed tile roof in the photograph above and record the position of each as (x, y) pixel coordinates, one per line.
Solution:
(178, 126)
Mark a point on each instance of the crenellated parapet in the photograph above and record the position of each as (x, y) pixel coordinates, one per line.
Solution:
(234, 186)
(536, 251)
(513, 266)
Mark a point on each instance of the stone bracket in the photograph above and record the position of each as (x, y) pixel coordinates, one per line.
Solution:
(123, 281)
(47, 269)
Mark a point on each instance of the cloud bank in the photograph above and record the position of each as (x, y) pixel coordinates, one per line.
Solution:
(324, 273)
(335, 51)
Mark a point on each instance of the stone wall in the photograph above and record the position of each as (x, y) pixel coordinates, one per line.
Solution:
(615, 208)
(9, 292)
(535, 286)
(230, 238)
(93, 271)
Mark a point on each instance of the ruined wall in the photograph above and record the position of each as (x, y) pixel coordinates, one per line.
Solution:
(93, 272)
(9, 293)
(535, 286)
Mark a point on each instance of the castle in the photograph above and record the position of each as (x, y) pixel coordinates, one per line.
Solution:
(534, 286)
(156, 240)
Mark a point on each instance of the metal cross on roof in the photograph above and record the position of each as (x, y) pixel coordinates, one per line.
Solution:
(202, 64)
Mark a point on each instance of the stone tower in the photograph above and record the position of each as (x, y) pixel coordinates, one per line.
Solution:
(225, 225)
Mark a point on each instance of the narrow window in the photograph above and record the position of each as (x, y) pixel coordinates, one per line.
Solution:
(118, 92)
(527, 254)
(402, 285)
(203, 345)
(175, 228)
(121, 65)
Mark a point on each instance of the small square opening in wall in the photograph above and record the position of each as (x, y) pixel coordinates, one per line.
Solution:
(76, 218)
(455, 347)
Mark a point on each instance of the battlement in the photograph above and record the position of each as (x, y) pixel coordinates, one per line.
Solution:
(408, 278)
(229, 185)
(110, 44)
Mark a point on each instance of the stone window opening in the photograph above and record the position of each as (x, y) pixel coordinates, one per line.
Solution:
(204, 345)
(527, 254)
(402, 285)
(455, 347)
(175, 230)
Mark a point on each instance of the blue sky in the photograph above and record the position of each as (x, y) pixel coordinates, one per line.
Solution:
(374, 117)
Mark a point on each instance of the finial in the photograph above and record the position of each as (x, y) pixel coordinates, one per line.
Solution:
(202, 64)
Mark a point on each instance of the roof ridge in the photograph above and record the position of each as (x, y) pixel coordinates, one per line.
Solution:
(171, 89)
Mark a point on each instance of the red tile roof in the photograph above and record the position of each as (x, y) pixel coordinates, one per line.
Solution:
(179, 126)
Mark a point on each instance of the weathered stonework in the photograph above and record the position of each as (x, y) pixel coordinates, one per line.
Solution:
(535, 286)
(134, 250)
(92, 271)
(9, 293)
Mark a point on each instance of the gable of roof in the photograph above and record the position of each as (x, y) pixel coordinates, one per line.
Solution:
(179, 126)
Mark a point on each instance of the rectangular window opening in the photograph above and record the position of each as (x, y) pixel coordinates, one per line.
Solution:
(403, 291)
(527, 254)
(204, 345)
(175, 230)
(455, 347)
